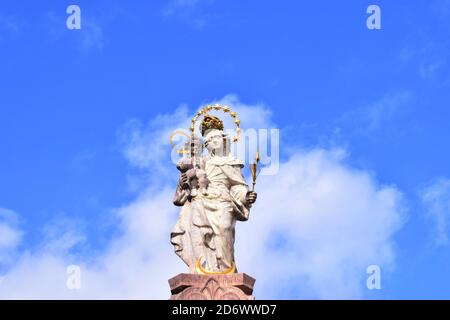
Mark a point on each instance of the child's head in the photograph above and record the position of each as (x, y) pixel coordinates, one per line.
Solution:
(196, 147)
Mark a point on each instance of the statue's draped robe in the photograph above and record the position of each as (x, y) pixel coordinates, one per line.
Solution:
(205, 228)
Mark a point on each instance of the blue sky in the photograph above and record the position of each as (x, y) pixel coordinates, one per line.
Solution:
(66, 97)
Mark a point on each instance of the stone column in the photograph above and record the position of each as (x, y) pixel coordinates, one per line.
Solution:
(236, 286)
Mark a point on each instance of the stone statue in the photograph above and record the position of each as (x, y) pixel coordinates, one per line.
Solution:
(213, 195)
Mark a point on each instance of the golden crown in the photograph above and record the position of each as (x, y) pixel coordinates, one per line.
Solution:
(212, 122)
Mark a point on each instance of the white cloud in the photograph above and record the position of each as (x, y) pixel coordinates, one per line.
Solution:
(136, 265)
(429, 70)
(147, 146)
(316, 226)
(10, 235)
(428, 53)
(92, 34)
(190, 12)
(247, 113)
(62, 234)
(436, 198)
(380, 115)
(8, 23)
(90, 37)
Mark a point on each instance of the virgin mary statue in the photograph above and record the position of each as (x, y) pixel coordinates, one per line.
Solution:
(204, 234)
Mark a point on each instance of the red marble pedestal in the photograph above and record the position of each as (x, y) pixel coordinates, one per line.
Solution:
(236, 286)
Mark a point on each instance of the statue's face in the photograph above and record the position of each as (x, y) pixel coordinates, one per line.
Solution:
(215, 141)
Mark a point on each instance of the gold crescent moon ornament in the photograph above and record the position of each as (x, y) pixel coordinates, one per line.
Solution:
(183, 151)
(201, 270)
(226, 109)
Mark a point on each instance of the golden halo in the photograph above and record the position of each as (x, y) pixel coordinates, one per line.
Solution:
(204, 111)
(183, 150)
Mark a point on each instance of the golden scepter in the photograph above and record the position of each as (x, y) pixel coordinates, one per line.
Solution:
(254, 169)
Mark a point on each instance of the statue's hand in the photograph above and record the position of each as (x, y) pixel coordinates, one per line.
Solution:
(184, 179)
(251, 197)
